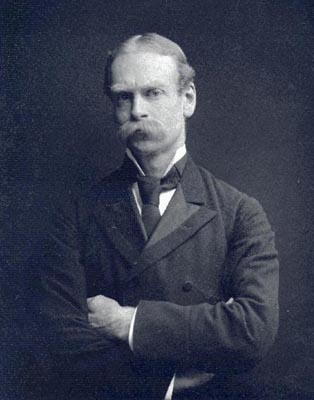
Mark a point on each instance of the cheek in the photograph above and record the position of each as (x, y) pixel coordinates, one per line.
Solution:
(167, 112)
(121, 115)
(174, 108)
(172, 115)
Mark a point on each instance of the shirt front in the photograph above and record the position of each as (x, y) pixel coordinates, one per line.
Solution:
(166, 195)
(164, 200)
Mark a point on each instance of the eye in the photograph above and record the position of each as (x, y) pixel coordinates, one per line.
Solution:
(122, 97)
(153, 93)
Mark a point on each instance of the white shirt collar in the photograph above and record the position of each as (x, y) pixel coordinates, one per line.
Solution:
(180, 153)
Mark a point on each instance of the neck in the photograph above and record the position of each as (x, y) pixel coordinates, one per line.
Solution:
(155, 164)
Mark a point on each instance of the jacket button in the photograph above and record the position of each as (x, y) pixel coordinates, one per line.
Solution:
(187, 286)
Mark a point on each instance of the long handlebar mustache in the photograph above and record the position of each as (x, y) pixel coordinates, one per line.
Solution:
(144, 127)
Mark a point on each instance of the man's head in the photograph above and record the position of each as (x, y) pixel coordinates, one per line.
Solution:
(151, 86)
(152, 42)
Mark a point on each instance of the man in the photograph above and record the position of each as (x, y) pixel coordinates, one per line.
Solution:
(161, 281)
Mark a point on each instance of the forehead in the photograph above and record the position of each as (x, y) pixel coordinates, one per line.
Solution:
(132, 70)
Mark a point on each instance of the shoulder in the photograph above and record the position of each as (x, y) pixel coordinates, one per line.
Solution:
(224, 195)
(237, 210)
(80, 200)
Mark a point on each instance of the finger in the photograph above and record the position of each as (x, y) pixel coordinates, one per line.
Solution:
(94, 302)
(230, 301)
(90, 299)
(90, 304)
(92, 321)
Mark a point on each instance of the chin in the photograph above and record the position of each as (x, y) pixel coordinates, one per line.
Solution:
(143, 147)
(141, 141)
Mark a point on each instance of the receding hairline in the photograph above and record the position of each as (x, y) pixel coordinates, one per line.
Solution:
(165, 60)
(156, 44)
(150, 42)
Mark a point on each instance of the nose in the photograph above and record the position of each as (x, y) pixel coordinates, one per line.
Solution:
(138, 110)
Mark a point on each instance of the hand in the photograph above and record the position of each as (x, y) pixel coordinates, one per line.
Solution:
(107, 315)
(230, 301)
(191, 379)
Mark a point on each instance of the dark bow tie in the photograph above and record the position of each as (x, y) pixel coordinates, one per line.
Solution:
(150, 188)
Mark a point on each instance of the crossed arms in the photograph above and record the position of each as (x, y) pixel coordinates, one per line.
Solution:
(93, 332)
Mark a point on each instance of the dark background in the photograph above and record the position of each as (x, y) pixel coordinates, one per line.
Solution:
(253, 128)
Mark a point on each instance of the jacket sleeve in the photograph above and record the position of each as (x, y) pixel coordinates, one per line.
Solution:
(224, 336)
(80, 355)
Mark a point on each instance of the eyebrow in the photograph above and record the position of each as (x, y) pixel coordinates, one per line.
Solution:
(116, 88)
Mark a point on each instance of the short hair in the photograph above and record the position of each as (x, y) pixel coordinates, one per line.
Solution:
(157, 44)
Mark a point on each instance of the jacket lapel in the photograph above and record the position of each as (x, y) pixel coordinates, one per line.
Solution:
(177, 212)
(118, 217)
(187, 212)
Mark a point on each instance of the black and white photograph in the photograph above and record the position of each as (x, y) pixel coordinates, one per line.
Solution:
(156, 203)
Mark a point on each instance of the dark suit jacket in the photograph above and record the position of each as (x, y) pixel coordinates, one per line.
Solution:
(212, 243)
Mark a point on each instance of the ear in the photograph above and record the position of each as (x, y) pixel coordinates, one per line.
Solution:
(189, 100)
